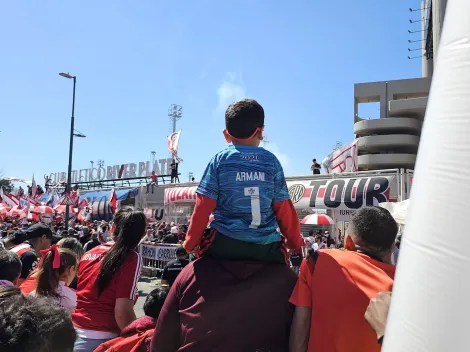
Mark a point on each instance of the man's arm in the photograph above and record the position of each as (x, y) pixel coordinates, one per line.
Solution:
(300, 329)
(164, 280)
(302, 298)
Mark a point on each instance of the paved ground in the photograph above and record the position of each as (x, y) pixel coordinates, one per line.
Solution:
(145, 286)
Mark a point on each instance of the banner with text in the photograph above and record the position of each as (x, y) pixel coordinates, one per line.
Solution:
(161, 252)
(343, 193)
(343, 214)
(180, 195)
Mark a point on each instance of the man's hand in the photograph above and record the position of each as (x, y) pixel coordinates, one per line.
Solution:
(377, 312)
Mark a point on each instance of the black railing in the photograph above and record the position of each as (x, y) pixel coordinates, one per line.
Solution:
(429, 47)
(122, 182)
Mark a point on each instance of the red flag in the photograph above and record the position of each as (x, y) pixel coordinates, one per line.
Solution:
(113, 200)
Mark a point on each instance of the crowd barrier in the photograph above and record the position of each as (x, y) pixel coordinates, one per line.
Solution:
(156, 255)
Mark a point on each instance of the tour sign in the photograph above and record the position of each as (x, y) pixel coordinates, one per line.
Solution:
(115, 172)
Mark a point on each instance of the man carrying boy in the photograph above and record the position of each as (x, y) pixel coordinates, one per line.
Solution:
(244, 187)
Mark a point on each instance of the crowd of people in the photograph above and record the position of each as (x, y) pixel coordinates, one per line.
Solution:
(75, 290)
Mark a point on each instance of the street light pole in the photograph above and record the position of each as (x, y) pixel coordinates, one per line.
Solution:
(72, 128)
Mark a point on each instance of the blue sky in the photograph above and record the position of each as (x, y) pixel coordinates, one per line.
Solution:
(299, 59)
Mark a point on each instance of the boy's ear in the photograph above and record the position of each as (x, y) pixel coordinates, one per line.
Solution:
(227, 136)
(17, 280)
(260, 134)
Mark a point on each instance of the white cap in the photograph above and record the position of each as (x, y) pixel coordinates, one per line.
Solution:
(174, 229)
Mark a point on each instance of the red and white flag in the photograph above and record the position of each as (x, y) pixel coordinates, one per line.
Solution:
(113, 200)
(341, 160)
(173, 143)
(9, 199)
(32, 201)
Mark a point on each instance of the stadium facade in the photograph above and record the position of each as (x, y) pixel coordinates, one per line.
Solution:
(391, 141)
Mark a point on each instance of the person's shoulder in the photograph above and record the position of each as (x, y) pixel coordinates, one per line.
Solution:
(68, 293)
(133, 257)
(29, 255)
(223, 154)
(171, 263)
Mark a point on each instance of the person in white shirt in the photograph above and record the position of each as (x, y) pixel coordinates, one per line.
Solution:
(58, 269)
(309, 241)
(316, 245)
(322, 244)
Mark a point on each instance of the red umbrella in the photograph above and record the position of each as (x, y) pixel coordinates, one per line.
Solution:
(317, 219)
(3, 211)
(16, 211)
(43, 209)
(44, 212)
(3, 205)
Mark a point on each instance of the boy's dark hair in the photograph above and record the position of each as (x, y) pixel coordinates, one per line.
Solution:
(73, 244)
(10, 265)
(374, 227)
(17, 237)
(31, 324)
(243, 117)
(154, 302)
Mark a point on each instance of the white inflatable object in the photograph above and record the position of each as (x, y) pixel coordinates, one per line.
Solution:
(430, 311)
(397, 209)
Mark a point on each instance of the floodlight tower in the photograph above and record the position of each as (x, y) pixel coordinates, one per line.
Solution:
(175, 112)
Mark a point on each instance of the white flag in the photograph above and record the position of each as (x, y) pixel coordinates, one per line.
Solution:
(173, 142)
(34, 188)
(341, 160)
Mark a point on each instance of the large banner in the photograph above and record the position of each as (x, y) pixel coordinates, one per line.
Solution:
(180, 195)
(343, 193)
(341, 160)
(161, 252)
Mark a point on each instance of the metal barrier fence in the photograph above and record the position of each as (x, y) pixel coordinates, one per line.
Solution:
(156, 255)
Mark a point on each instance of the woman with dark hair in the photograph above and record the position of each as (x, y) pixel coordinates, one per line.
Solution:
(107, 283)
(57, 270)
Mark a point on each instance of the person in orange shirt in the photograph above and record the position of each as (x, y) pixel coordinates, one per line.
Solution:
(349, 279)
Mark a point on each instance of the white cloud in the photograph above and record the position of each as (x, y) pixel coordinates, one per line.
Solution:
(231, 89)
(283, 158)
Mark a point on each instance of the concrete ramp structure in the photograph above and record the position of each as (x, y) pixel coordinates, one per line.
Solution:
(390, 141)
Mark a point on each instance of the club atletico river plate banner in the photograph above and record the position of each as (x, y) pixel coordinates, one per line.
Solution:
(343, 193)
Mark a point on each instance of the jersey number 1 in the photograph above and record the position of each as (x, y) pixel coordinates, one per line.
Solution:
(253, 193)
